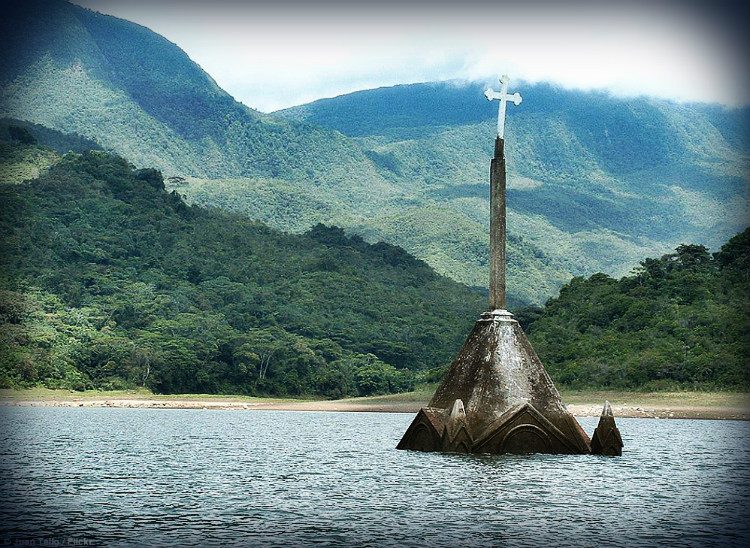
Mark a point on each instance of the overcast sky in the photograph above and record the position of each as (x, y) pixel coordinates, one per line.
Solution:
(272, 55)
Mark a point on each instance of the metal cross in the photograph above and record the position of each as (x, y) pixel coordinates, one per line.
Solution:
(504, 97)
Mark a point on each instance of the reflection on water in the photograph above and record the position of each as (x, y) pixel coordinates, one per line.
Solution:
(136, 476)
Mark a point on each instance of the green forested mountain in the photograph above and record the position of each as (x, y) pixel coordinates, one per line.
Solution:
(596, 182)
(679, 321)
(136, 93)
(108, 280)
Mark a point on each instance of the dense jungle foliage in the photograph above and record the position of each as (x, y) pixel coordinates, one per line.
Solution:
(109, 281)
(680, 321)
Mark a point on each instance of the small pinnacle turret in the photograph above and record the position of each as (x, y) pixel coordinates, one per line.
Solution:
(606, 439)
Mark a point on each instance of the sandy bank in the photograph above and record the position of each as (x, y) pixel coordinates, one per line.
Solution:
(733, 406)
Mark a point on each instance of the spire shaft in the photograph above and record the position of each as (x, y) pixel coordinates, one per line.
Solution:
(497, 227)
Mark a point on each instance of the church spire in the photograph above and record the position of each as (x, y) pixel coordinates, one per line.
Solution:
(497, 199)
(497, 397)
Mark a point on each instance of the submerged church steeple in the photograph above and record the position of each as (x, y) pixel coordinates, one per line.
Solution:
(497, 397)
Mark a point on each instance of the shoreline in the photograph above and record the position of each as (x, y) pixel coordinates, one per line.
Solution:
(688, 405)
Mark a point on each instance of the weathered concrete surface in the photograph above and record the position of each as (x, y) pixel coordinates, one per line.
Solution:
(606, 439)
(509, 402)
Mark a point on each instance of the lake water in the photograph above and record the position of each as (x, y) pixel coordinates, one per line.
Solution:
(173, 477)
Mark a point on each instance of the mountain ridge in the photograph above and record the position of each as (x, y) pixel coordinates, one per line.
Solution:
(622, 177)
(137, 93)
(108, 280)
(595, 182)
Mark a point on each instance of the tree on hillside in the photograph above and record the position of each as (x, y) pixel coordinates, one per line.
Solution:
(682, 320)
(21, 134)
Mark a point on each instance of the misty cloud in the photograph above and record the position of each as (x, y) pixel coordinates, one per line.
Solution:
(272, 55)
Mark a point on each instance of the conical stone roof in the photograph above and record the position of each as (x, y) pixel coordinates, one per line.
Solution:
(510, 402)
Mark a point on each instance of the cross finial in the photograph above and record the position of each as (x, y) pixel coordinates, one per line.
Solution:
(503, 96)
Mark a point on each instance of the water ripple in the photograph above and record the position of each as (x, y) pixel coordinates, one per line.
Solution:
(125, 477)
